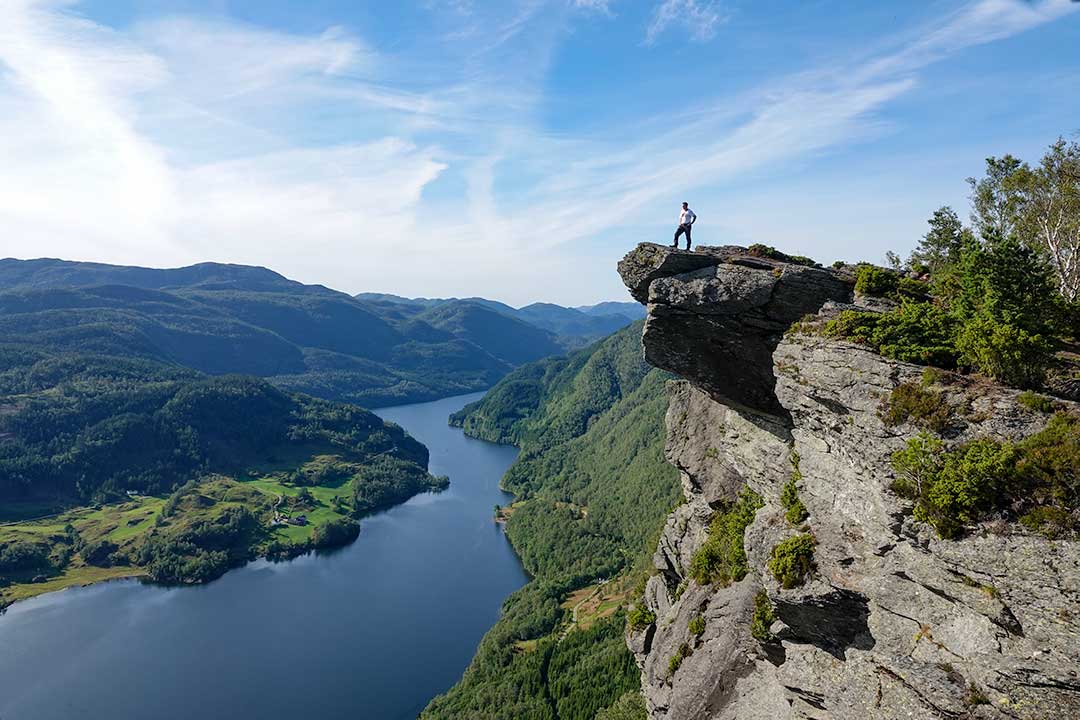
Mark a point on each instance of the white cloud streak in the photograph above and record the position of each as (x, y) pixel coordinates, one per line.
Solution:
(696, 20)
(184, 139)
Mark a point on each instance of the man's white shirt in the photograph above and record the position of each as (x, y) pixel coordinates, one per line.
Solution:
(687, 216)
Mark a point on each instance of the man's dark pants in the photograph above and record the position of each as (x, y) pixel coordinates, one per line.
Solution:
(682, 229)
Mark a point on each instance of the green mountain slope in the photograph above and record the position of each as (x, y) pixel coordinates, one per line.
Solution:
(505, 337)
(593, 489)
(570, 322)
(632, 310)
(223, 319)
(573, 327)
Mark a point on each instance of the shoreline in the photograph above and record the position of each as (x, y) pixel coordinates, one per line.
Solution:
(86, 575)
(24, 591)
(60, 584)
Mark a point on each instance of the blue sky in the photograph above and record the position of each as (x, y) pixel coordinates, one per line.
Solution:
(513, 149)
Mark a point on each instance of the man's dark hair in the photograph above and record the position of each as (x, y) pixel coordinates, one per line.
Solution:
(686, 204)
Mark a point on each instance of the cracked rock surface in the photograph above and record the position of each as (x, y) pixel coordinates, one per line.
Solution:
(893, 622)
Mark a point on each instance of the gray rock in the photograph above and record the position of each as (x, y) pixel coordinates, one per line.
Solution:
(893, 622)
(718, 323)
(650, 261)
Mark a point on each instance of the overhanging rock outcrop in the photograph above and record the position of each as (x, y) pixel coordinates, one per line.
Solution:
(892, 622)
(716, 315)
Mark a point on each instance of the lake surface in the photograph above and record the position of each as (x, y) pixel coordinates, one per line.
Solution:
(374, 630)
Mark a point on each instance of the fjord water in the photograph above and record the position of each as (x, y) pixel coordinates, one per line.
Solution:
(371, 631)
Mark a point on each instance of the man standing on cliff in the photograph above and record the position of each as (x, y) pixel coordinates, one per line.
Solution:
(686, 219)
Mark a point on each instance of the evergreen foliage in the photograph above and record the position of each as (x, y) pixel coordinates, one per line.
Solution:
(763, 617)
(1036, 480)
(792, 560)
(1002, 295)
(593, 490)
(640, 617)
(872, 280)
(722, 559)
(922, 406)
(789, 496)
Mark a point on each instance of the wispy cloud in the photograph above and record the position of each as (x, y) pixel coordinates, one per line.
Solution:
(792, 118)
(602, 6)
(696, 20)
(338, 161)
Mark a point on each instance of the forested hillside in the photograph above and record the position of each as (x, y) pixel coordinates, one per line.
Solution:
(234, 319)
(139, 467)
(573, 327)
(593, 489)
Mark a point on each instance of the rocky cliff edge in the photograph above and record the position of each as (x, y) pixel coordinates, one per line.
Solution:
(892, 621)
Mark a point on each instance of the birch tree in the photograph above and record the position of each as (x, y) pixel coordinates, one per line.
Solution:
(1038, 206)
(1050, 220)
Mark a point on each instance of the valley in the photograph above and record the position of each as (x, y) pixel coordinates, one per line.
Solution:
(384, 623)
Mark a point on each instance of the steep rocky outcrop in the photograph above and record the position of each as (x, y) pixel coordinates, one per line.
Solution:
(893, 622)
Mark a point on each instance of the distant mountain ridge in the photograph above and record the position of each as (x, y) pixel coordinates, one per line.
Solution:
(575, 326)
(215, 318)
(54, 273)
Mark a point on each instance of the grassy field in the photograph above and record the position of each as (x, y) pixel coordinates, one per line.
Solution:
(121, 523)
(127, 523)
(113, 522)
(74, 575)
(321, 511)
(595, 602)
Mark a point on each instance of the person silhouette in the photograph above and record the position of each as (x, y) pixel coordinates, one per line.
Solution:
(686, 220)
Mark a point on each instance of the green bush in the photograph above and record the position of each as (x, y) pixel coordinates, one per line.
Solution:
(640, 617)
(912, 288)
(722, 559)
(1049, 520)
(1037, 478)
(763, 617)
(1002, 296)
(1049, 465)
(995, 312)
(872, 280)
(918, 332)
(675, 662)
(956, 487)
(789, 495)
(1004, 350)
(767, 251)
(792, 560)
(789, 498)
(909, 402)
(969, 483)
(696, 626)
(1035, 402)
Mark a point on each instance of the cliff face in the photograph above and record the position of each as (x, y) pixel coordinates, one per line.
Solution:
(892, 622)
